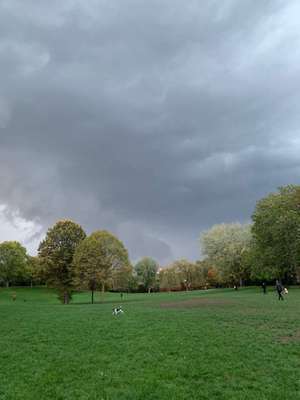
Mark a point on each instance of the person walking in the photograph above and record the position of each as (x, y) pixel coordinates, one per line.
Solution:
(264, 287)
(279, 289)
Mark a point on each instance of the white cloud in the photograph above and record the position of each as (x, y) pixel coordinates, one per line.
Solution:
(14, 227)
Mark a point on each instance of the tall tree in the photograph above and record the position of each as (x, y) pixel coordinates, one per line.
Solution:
(122, 278)
(98, 259)
(210, 276)
(56, 255)
(224, 245)
(169, 279)
(13, 261)
(146, 271)
(276, 233)
(34, 271)
(186, 272)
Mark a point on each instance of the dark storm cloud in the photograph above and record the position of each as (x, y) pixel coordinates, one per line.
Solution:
(152, 119)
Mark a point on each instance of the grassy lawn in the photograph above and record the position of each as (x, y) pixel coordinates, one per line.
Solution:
(217, 344)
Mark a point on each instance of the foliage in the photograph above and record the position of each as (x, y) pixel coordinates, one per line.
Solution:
(267, 250)
(122, 279)
(224, 245)
(133, 283)
(276, 231)
(34, 271)
(101, 259)
(210, 276)
(188, 274)
(213, 277)
(56, 253)
(146, 271)
(169, 279)
(185, 275)
(13, 261)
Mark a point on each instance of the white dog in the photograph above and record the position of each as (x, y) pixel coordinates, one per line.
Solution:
(285, 291)
(117, 310)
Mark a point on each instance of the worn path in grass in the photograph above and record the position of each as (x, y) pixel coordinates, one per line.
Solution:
(218, 344)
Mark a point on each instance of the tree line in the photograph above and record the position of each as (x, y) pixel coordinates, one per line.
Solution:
(68, 260)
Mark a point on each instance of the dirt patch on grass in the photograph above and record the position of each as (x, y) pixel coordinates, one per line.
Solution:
(194, 303)
(292, 338)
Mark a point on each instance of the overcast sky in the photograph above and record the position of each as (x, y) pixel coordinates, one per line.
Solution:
(154, 119)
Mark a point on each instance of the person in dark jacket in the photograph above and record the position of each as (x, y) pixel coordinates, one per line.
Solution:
(264, 287)
(279, 289)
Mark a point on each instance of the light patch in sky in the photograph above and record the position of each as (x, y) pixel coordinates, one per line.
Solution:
(14, 227)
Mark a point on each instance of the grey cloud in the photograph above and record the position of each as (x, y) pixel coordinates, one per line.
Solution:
(151, 119)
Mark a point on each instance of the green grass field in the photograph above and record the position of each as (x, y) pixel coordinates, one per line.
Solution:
(217, 344)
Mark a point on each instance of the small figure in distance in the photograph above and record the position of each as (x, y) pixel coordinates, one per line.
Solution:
(121, 295)
(14, 296)
(117, 310)
(279, 289)
(264, 287)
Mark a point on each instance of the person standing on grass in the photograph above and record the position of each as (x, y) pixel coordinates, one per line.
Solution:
(264, 287)
(279, 289)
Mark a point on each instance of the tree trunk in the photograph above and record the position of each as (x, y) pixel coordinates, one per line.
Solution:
(92, 296)
(66, 298)
(7, 284)
(102, 291)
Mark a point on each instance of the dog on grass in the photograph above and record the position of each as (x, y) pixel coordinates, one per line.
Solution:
(285, 291)
(117, 311)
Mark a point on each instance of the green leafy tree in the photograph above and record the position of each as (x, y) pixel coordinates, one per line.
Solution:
(13, 262)
(146, 271)
(132, 282)
(34, 271)
(56, 255)
(169, 279)
(224, 246)
(209, 274)
(122, 278)
(98, 260)
(186, 272)
(276, 233)
(183, 274)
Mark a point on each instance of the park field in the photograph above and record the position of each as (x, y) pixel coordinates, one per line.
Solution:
(215, 344)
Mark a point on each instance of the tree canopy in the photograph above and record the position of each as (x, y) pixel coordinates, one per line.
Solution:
(224, 245)
(146, 271)
(13, 261)
(276, 234)
(267, 249)
(98, 260)
(56, 253)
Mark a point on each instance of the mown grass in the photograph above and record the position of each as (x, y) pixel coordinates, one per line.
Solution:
(218, 344)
